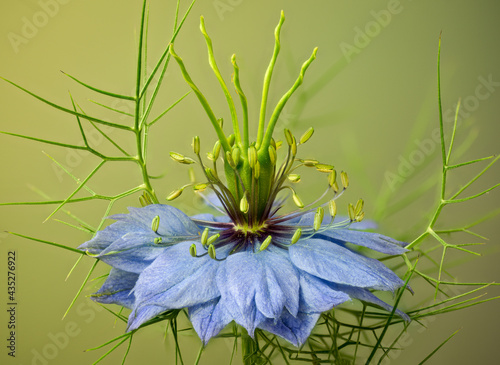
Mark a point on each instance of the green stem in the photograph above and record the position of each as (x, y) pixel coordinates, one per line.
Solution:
(248, 348)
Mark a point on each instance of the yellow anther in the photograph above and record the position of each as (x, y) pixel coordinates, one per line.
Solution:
(332, 208)
(256, 170)
(310, 163)
(204, 237)
(174, 194)
(211, 252)
(272, 154)
(332, 177)
(196, 145)
(345, 179)
(352, 214)
(294, 146)
(288, 136)
(297, 200)
(200, 187)
(244, 204)
(192, 250)
(296, 236)
(252, 156)
(305, 137)
(324, 168)
(266, 243)
(216, 150)
(236, 155)
(212, 239)
(318, 218)
(295, 178)
(155, 224)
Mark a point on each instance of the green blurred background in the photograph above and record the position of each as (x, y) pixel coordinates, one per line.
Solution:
(364, 95)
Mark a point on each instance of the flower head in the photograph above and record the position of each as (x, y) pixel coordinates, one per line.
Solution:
(252, 264)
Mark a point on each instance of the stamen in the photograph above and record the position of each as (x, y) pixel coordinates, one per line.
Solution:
(294, 148)
(324, 168)
(200, 187)
(318, 218)
(266, 243)
(174, 194)
(332, 208)
(332, 178)
(345, 179)
(196, 145)
(177, 157)
(256, 170)
(296, 236)
(236, 153)
(212, 239)
(155, 224)
(229, 159)
(288, 136)
(216, 150)
(309, 163)
(352, 214)
(305, 137)
(272, 154)
(192, 250)
(211, 252)
(244, 204)
(204, 237)
(252, 156)
(295, 178)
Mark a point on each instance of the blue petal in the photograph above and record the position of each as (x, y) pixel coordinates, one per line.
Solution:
(279, 268)
(116, 289)
(371, 240)
(174, 280)
(136, 319)
(316, 295)
(263, 281)
(211, 218)
(295, 330)
(366, 296)
(337, 264)
(128, 244)
(132, 252)
(173, 222)
(374, 241)
(209, 319)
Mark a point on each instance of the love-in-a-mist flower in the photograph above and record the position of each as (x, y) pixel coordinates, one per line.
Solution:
(253, 264)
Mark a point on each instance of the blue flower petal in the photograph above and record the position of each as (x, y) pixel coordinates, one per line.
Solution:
(117, 289)
(128, 244)
(211, 218)
(337, 264)
(374, 241)
(136, 319)
(174, 280)
(173, 222)
(264, 282)
(209, 319)
(295, 330)
(366, 296)
(316, 295)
